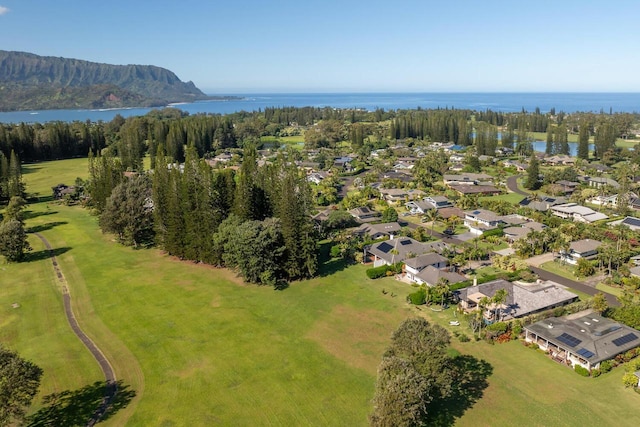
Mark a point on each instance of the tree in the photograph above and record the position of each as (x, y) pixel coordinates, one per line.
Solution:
(442, 289)
(533, 173)
(416, 369)
(600, 303)
(499, 298)
(13, 240)
(19, 383)
(389, 215)
(433, 216)
(128, 212)
(14, 209)
(583, 142)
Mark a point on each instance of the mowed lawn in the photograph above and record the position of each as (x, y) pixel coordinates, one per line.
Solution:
(199, 347)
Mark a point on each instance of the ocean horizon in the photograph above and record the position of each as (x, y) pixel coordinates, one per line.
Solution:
(508, 102)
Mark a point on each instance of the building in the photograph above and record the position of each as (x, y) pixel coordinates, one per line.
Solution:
(632, 222)
(580, 249)
(428, 203)
(480, 220)
(577, 212)
(365, 214)
(413, 266)
(399, 249)
(378, 231)
(430, 276)
(522, 299)
(585, 339)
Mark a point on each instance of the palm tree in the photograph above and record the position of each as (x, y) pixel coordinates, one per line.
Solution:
(433, 216)
(442, 289)
(500, 297)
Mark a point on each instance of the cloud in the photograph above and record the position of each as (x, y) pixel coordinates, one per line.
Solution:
(3, 10)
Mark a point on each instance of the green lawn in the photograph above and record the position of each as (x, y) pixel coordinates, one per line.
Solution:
(609, 289)
(40, 177)
(199, 347)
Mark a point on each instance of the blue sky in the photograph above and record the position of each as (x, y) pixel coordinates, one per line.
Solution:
(346, 46)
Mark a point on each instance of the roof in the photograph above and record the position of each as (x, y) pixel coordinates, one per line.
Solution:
(484, 215)
(523, 298)
(431, 276)
(475, 189)
(585, 245)
(385, 228)
(424, 260)
(591, 336)
(399, 249)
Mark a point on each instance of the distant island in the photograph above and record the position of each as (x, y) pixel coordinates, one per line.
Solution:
(33, 82)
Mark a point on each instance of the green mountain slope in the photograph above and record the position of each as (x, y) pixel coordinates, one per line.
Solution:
(29, 81)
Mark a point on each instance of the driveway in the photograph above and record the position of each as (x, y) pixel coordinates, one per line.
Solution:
(537, 261)
(512, 185)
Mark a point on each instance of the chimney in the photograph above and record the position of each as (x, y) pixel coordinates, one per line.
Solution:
(475, 281)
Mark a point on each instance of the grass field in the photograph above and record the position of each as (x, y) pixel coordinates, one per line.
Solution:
(199, 347)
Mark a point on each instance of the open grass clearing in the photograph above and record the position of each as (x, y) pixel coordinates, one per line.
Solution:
(609, 289)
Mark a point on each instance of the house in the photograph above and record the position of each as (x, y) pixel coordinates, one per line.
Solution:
(343, 163)
(317, 177)
(518, 232)
(543, 204)
(522, 299)
(598, 182)
(475, 189)
(415, 265)
(567, 187)
(560, 159)
(480, 220)
(631, 222)
(378, 231)
(402, 176)
(428, 203)
(577, 212)
(585, 339)
(397, 250)
(466, 178)
(431, 276)
(585, 249)
(365, 214)
(398, 195)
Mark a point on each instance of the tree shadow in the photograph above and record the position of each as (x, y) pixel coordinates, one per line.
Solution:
(79, 407)
(468, 388)
(45, 227)
(32, 214)
(327, 265)
(44, 254)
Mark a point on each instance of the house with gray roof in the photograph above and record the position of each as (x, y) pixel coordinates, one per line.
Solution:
(413, 266)
(585, 249)
(631, 222)
(480, 220)
(585, 339)
(365, 214)
(522, 298)
(399, 249)
(378, 231)
(543, 204)
(431, 275)
(577, 212)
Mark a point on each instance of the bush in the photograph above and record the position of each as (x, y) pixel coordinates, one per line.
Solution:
(606, 366)
(581, 371)
(377, 272)
(462, 337)
(595, 373)
(498, 328)
(418, 297)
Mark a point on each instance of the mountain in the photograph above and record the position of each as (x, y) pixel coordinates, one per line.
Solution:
(29, 81)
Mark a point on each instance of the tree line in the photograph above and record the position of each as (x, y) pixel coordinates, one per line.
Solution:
(256, 221)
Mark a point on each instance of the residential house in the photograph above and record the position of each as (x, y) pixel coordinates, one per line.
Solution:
(466, 178)
(378, 231)
(598, 182)
(400, 195)
(343, 163)
(390, 252)
(577, 212)
(62, 190)
(317, 177)
(519, 231)
(585, 339)
(475, 189)
(365, 214)
(428, 203)
(430, 276)
(415, 265)
(543, 204)
(567, 187)
(631, 222)
(560, 159)
(480, 220)
(580, 249)
(522, 299)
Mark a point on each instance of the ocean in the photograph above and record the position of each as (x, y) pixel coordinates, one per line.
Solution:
(505, 102)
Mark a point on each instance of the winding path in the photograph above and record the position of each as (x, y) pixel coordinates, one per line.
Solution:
(512, 184)
(105, 366)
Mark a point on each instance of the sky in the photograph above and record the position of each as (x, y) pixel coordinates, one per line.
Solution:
(261, 46)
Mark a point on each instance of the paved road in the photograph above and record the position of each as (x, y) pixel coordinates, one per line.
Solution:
(105, 366)
(346, 182)
(512, 185)
(435, 234)
(546, 275)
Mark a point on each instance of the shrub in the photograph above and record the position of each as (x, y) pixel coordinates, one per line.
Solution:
(606, 366)
(418, 297)
(595, 373)
(581, 371)
(377, 272)
(498, 328)
(462, 337)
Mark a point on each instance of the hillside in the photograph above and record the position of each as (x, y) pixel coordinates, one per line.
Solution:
(29, 81)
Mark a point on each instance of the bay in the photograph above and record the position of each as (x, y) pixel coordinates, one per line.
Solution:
(504, 102)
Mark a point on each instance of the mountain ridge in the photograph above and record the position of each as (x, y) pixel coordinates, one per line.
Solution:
(30, 81)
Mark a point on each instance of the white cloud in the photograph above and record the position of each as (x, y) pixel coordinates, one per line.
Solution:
(3, 10)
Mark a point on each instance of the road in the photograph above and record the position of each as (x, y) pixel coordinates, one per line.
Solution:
(435, 234)
(512, 185)
(110, 376)
(546, 275)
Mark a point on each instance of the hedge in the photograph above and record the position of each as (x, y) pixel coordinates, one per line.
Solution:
(377, 272)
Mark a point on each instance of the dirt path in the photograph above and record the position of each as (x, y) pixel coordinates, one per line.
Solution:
(105, 366)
